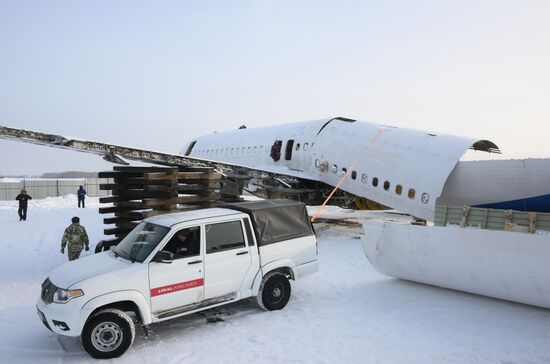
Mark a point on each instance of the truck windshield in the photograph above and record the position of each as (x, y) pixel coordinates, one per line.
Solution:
(141, 241)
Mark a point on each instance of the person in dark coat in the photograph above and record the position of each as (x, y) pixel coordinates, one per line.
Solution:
(23, 197)
(184, 243)
(81, 193)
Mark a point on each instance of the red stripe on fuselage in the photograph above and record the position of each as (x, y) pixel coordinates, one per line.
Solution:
(177, 287)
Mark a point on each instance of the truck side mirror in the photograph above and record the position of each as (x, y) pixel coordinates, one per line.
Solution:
(164, 256)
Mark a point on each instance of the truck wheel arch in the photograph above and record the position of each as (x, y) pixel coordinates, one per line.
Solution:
(284, 266)
(132, 301)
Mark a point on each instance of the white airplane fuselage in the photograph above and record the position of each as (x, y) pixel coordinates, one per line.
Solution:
(405, 169)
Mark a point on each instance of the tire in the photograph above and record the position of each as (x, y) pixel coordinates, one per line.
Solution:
(108, 334)
(274, 292)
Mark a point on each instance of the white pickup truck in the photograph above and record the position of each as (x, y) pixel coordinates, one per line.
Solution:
(178, 264)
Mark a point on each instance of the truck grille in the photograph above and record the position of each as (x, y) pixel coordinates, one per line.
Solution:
(48, 290)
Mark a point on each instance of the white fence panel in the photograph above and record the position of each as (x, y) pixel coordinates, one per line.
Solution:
(42, 188)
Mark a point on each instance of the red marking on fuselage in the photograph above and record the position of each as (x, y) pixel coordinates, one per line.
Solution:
(177, 287)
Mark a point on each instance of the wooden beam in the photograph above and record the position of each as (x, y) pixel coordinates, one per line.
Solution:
(134, 205)
(178, 200)
(196, 169)
(143, 169)
(113, 174)
(151, 188)
(140, 194)
(109, 199)
(143, 182)
(199, 187)
(118, 220)
(159, 176)
(135, 215)
(198, 175)
(108, 210)
(117, 231)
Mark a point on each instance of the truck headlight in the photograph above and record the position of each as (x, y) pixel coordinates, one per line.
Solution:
(65, 295)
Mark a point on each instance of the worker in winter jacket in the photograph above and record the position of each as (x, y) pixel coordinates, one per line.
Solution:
(81, 193)
(75, 236)
(23, 197)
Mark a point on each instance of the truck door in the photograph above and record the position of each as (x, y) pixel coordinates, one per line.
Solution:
(180, 283)
(227, 259)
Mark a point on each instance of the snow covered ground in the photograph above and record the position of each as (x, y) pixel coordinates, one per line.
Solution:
(346, 313)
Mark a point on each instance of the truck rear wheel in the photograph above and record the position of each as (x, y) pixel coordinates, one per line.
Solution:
(274, 292)
(108, 334)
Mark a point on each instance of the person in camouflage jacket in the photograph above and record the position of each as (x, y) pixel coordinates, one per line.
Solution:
(77, 239)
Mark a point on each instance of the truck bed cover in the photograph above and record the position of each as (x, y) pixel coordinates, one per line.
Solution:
(276, 220)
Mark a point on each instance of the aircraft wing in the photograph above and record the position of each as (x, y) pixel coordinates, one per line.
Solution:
(110, 152)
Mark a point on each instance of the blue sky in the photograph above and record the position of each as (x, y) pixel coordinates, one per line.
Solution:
(156, 74)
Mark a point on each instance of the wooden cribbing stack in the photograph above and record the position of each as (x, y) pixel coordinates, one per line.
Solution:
(141, 192)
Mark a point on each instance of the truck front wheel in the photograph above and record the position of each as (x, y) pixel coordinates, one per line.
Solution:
(108, 334)
(274, 292)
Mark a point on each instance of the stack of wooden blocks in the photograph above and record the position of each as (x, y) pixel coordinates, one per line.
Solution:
(141, 192)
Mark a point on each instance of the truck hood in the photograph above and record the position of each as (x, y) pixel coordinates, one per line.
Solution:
(70, 273)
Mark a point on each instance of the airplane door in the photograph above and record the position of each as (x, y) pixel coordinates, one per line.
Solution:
(227, 259)
(181, 282)
(296, 150)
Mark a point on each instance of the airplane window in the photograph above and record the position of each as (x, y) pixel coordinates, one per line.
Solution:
(344, 170)
(334, 168)
(232, 150)
(261, 149)
(243, 150)
(317, 163)
(353, 175)
(399, 189)
(375, 182)
(412, 193)
(305, 146)
(364, 178)
(248, 150)
(387, 185)
(255, 150)
(297, 146)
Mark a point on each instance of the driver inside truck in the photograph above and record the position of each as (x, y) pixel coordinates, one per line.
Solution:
(185, 243)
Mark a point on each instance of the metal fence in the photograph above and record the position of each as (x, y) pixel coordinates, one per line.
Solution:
(42, 188)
